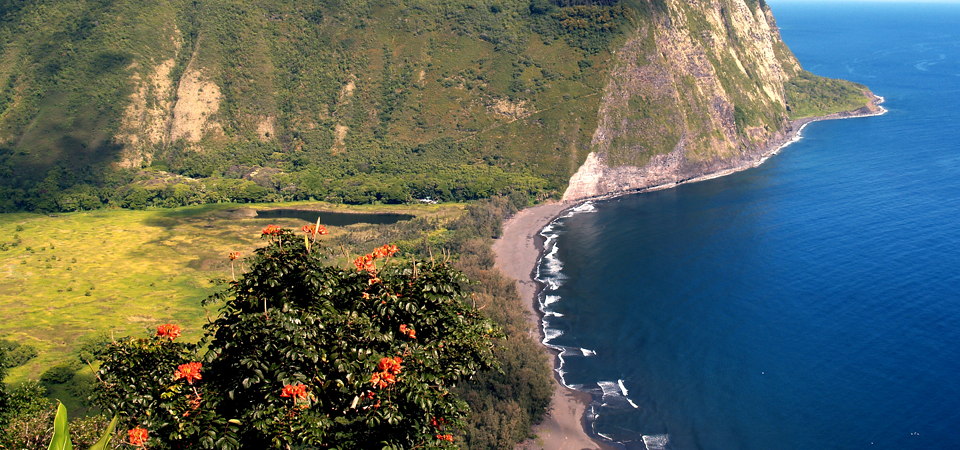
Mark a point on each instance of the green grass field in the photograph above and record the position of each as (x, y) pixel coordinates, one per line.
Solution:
(75, 276)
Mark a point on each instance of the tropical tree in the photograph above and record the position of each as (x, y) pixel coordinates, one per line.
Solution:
(306, 354)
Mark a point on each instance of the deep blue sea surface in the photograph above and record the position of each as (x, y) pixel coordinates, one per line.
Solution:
(813, 302)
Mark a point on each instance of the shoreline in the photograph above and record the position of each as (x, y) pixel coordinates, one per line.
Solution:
(520, 248)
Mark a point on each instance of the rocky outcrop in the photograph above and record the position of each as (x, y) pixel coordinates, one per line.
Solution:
(198, 100)
(697, 90)
(145, 120)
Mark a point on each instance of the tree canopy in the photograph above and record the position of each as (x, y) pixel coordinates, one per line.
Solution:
(308, 354)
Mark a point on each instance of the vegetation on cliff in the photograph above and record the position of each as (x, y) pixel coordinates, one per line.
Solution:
(177, 102)
(171, 103)
(810, 95)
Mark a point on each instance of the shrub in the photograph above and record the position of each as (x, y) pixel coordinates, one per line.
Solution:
(307, 354)
(60, 373)
(17, 354)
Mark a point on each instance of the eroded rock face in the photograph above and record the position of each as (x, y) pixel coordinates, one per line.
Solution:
(145, 120)
(198, 100)
(699, 89)
(163, 109)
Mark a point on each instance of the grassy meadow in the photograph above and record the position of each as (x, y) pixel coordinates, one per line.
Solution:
(72, 278)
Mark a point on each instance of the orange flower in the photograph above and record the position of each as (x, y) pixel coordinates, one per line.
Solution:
(271, 230)
(409, 332)
(390, 365)
(365, 262)
(234, 255)
(313, 229)
(168, 330)
(296, 391)
(377, 380)
(189, 371)
(382, 379)
(138, 436)
(385, 250)
(445, 437)
(370, 395)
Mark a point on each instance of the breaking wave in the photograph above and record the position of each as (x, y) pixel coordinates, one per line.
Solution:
(656, 441)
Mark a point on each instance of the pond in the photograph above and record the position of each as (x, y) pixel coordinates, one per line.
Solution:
(336, 219)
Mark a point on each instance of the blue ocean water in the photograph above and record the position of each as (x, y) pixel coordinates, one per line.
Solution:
(812, 302)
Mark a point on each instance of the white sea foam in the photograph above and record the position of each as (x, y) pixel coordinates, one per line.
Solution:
(550, 268)
(610, 392)
(656, 441)
(550, 334)
(623, 389)
(573, 351)
(553, 262)
(615, 394)
(550, 299)
(585, 207)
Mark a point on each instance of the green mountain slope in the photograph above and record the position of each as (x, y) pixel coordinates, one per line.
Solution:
(171, 102)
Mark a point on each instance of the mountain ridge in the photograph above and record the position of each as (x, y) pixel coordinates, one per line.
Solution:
(118, 103)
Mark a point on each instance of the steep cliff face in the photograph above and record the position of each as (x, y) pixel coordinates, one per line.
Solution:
(698, 89)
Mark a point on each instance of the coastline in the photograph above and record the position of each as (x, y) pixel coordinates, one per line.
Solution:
(520, 248)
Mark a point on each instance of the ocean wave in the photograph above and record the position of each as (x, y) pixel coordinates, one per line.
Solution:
(656, 441)
(585, 207)
(614, 395)
(550, 334)
(605, 436)
(550, 268)
(574, 351)
(549, 300)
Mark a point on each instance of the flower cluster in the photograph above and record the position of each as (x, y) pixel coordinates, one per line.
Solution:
(408, 331)
(189, 371)
(168, 330)
(385, 251)
(271, 230)
(445, 437)
(315, 230)
(366, 262)
(295, 391)
(233, 256)
(388, 368)
(138, 437)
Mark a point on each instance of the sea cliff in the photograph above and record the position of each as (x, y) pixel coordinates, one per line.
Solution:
(703, 88)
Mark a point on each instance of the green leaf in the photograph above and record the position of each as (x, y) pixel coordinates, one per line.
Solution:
(107, 434)
(61, 431)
